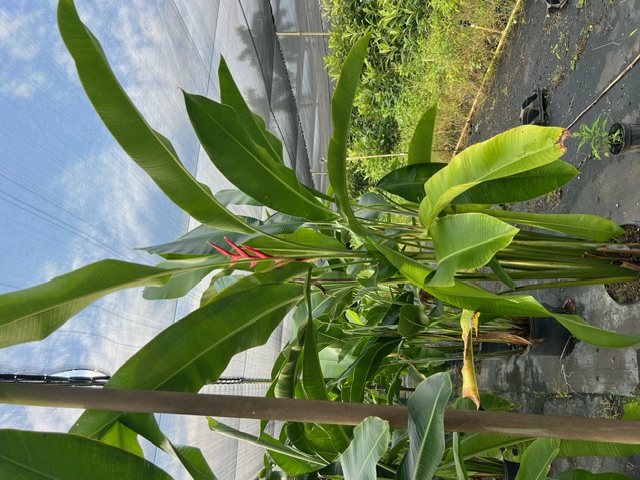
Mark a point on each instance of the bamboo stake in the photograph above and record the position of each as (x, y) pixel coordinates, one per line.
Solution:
(489, 73)
(604, 91)
(496, 423)
(364, 157)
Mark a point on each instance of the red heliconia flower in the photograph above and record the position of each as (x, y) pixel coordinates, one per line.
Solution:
(242, 254)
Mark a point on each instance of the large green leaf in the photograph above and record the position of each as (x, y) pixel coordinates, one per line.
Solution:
(422, 139)
(146, 425)
(364, 368)
(195, 351)
(314, 385)
(426, 428)
(583, 448)
(520, 187)
(148, 148)
(509, 153)
(274, 276)
(254, 125)
(178, 286)
(464, 241)
(537, 459)
(461, 470)
(580, 225)
(332, 363)
(408, 182)
(33, 313)
(341, 106)
(234, 196)
(370, 441)
(415, 272)
(40, 456)
(479, 445)
(292, 461)
(195, 243)
(248, 165)
(477, 299)
(121, 436)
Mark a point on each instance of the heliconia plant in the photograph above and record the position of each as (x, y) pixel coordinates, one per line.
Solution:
(352, 275)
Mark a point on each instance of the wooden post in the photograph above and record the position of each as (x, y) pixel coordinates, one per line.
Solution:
(496, 423)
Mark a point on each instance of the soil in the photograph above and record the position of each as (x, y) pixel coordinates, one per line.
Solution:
(574, 53)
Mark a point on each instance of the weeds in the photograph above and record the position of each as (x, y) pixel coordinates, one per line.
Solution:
(423, 53)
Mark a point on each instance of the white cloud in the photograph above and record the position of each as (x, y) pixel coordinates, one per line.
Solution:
(22, 37)
(24, 87)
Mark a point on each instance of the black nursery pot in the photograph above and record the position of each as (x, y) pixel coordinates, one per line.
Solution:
(626, 293)
(556, 339)
(511, 470)
(630, 142)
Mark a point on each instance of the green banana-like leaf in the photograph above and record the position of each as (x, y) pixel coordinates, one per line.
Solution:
(408, 182)
(121, 436)
(303, 242)
(520, 187)
(579, 225)
(583, 448)
(370, 441)
(478, 445)
(33, 313)
(366, 365)
(195, 351)
(410, 322)
(148, 148)
(422, 140)
(254, 125)
(477, 299)
(580, 474)
(464, 241)
(146, 425)
(288, 374)
(537, 459)
(194, 243)
(233, 196)
(40, 455)
(426, 428)
(415, 272)
(461, 470)
(248, 165)
(297, 462)
(371, 206)
(501, 273)
(332, 364)
(509, 153)
(178, 286)
(274, 276)
(341, 106)
(474, 298)
(315, 388)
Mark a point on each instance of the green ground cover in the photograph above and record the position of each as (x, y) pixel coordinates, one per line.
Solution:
(421, 53)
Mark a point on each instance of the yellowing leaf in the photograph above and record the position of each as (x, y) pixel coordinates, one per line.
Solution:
(469, 384)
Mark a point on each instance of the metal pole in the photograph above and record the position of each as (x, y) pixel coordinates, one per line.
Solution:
(496, 423)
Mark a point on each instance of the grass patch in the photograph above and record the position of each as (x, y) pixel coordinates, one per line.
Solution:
(421, 53)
